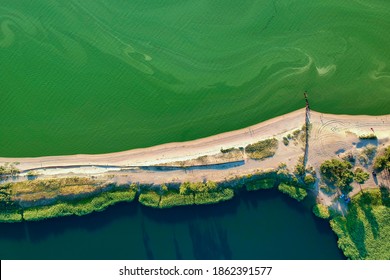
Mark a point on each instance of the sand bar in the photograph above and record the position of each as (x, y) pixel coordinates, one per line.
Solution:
(330, 133)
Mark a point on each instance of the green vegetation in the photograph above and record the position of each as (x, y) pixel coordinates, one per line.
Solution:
(321, 211)
(150, 198)
(300, 167)
(214, 197)
(262, 149)
(382, 162)
(254, 185)
(79, 207)
(188, 187)
(309, 180)
(285, 141)
(294, 192)
(364, 232)
(225, 151)
(338, 173)
(189, 194)
(51, 185)
(368, 136)
(172, 199)
(10, 217)
(9, 169)
(360, 176)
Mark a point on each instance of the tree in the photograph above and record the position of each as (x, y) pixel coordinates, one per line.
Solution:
(360, 176)
(383, 162)
(337, 172)
(184, 188)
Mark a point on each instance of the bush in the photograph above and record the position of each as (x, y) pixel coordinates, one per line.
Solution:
(383, 162)
(262, 149)
(172, 199)
(150, 198)
(285, 141)
(360, 176)
(309, 180)
(260, 184)
(189, 187)
(321, 211)
(10, 217)
(214, 197)
(294, 192)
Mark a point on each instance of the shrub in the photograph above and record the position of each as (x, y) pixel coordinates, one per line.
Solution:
(309, 180)
(285, 141)
(321, 211)
(10, 217)
(360, 176)
(214, 197)
(262, 149)
(383, 162)
(172, 199)
(260, 184)
(150, 198)
(292, 191)
(368, 136)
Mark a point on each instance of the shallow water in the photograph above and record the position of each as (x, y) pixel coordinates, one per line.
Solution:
(83, 76)
(257, 225)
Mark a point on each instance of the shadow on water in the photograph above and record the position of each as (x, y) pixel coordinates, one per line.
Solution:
(206, 231)
(39, 231)
(146, 240)
(209, 242)
(178, 253)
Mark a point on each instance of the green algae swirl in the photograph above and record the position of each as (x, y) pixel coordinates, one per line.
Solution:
(102, 76)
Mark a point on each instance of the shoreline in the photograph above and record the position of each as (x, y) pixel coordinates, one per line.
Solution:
(80, 184)
(169, 152)
(189, 150)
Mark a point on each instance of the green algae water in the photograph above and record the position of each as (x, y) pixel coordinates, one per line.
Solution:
(256, 225)
(95, 76)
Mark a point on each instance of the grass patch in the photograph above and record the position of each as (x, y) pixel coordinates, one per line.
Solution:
(262, 149)
(52, 188)
(321, 211)
(260, 184)
(172, 199)
(364, 233)
(292, 191)
(79, 207)
(213, 197)
(150, 198)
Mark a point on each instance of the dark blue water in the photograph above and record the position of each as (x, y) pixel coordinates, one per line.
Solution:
(257, 225)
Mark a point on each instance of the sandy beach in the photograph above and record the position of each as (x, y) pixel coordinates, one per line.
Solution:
(331, 136)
